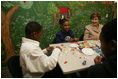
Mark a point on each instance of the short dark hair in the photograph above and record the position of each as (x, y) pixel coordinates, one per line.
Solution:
(61, 21)
(32, 27)
(109, 31)
(96, 14)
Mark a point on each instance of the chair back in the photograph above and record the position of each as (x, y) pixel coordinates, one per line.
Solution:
(14, 67)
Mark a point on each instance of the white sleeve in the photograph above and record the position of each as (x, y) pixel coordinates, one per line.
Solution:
(45, 51)
(39, 62)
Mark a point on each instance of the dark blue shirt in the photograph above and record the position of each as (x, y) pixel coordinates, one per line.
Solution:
(61, 36)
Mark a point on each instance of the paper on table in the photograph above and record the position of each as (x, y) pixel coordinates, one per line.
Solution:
(73, 45)
(88, 51)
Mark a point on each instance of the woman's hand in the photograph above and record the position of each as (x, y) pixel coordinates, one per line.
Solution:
(98, 59)
(95, 37)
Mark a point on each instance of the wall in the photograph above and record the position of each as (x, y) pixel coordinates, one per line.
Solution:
(42, 12)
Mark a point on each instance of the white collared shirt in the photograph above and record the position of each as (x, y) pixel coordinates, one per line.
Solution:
(33, 61)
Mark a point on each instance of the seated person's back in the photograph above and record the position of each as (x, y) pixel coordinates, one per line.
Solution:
(33, 60)
(108, 67)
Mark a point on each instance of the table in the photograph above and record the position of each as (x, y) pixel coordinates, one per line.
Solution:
(72, 59)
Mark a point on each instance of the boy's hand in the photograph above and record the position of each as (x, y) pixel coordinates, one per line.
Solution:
(98, 59)
(50, 48)
(76, 39)
(59, 48)
(71, 40)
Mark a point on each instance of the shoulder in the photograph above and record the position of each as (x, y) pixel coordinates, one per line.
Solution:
(101, 25)
(71, 31)
(28, 46)
(88, 26)
(30, 49)
(59, 33)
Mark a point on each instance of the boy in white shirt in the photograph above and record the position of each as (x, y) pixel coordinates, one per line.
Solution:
(33, 61)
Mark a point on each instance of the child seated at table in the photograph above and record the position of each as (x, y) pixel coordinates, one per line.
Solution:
(33, 60)
(65, 34)
(108, 67)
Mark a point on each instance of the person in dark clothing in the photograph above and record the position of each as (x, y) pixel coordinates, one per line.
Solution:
(66, 34)
(108, 67)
